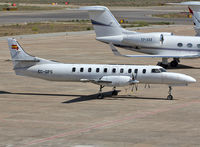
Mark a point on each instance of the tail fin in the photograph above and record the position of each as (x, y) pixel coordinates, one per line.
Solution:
(103, 21)
(19, 57)
(194, 9)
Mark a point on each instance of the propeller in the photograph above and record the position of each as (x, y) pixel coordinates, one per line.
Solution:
(145, 86)
(134, 82)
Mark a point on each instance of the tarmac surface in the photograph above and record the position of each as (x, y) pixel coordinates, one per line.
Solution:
(127, 13)
(39, 113)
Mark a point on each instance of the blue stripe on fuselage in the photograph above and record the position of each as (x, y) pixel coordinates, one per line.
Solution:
(99, 23)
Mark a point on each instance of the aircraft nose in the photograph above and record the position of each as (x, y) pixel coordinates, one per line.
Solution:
(189, 79)
(186, 79)
(178, 78)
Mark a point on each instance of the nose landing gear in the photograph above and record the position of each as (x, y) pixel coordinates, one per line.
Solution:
(170, 97)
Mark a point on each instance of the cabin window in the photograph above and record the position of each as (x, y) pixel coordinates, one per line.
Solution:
(155, 71)
(180, 44)
(136, 71)
(114, 70)
(198, 45)
(121, 70)
(81, 69)
(97, 70)
(189, 45)
(129, 70)
(144, 71)
(73, 69)
(89, 69)
(105, 70)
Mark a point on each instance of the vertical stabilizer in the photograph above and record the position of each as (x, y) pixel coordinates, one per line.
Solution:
(19, 57)
(103, 21)
(194, 9)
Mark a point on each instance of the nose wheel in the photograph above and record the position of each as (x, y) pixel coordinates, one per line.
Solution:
(170, 97)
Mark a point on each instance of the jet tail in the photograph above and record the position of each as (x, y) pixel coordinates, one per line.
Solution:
(194, 9)
(22, 60)
(104, 23)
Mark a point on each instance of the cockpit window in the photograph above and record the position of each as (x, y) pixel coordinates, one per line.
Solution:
(158, 70)
(155, 71)
(162, 70)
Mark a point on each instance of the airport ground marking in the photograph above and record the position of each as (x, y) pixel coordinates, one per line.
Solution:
(112, 122)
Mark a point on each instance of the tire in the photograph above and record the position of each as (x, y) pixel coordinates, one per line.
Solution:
(174, 64)
(100, 96)
(114, 92)
(170, 97)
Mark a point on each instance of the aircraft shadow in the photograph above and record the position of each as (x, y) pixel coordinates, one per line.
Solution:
(42, 94)
(181, 66)
(135, 97)
(82, 98)
(88, 97)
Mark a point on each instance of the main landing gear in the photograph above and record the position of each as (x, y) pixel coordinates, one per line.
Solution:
(170, 97)
(101, 95)
(173, 63)
(115, 92)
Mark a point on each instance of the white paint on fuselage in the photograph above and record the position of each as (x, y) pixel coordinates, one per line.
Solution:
(63, 72)
(150, 43)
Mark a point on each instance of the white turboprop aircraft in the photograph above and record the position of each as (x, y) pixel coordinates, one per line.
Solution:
(194, 8)
(100, 74)
(158, 44)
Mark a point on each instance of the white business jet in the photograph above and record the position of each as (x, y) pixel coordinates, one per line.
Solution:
(100, 74)
(158, 44)
(194, 9)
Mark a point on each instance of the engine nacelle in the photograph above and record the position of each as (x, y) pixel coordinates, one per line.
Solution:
(117, 81)
(145, 39)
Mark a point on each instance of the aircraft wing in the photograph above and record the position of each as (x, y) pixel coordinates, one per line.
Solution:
(95, 81)
(117, 53)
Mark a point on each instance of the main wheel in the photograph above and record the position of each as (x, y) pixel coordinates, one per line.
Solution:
(162, 65)
(115, 92)
(100, 96)
(174, 63)
(170, 97)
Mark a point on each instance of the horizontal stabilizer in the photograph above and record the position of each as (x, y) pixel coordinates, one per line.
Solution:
(117, 53)
(93, 8)
(189, 3)
(27, 60)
